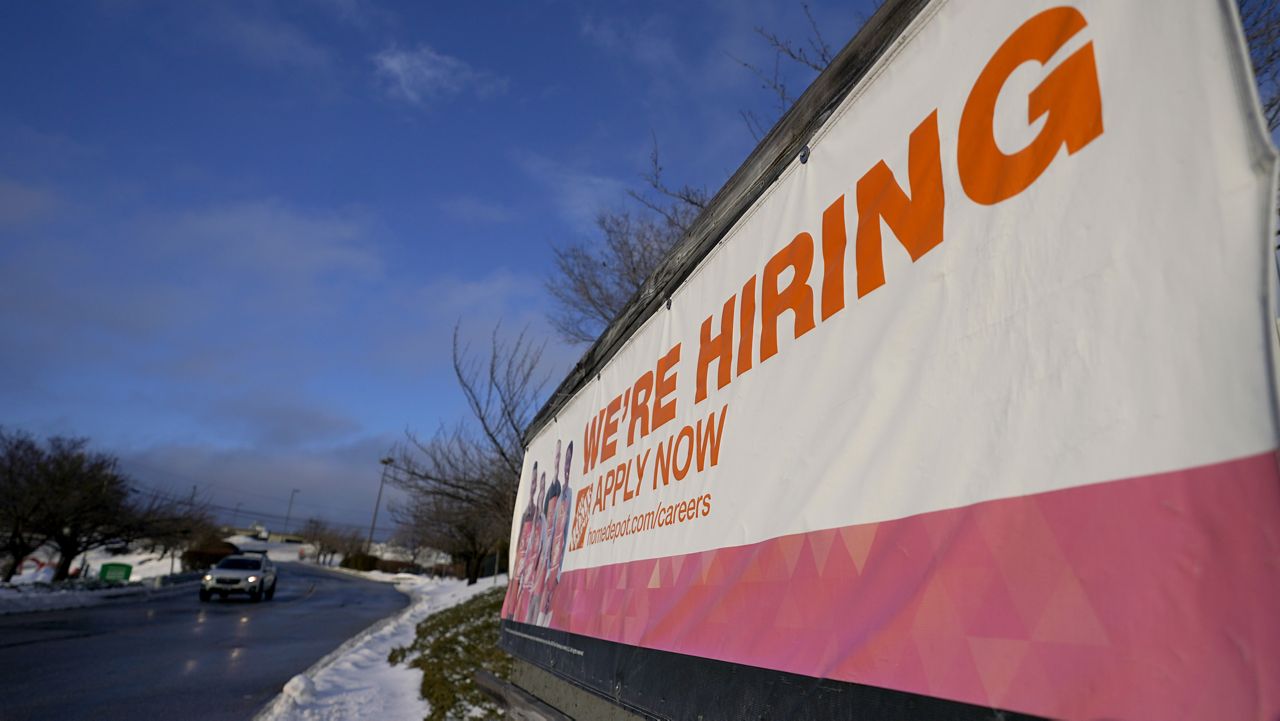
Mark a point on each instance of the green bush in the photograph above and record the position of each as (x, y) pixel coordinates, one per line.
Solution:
(450, 647)
(360, 562)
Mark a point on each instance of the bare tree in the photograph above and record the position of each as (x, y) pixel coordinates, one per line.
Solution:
(87, 503)
(349, 543)
(413, 527)
(20, 499)
(63, 494)
(462, 481)
(810, 56)
(323, 538)
(813, 54)
(595, 278)
(1261, 21)
(468, 533)
(594, 281)
(170, 525)
(678, 205)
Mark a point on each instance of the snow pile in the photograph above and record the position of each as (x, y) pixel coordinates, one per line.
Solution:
(425, 557)
(276, 550)
(356, 681)
(145, 564)
(383, 576)
(39, 566)
(33, 569)
(32, 587)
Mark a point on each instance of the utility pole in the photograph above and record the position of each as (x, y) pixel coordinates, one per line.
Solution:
(235, 516)
(386, 467)
(289, 513)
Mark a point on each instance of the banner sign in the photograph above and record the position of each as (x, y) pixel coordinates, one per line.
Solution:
(975, 403)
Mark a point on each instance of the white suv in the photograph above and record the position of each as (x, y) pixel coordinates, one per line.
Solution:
(252, 574)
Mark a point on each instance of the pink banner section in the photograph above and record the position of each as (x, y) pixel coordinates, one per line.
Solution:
(1148, 598)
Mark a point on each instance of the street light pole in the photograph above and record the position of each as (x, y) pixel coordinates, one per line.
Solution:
(289, 513)
(386, 466)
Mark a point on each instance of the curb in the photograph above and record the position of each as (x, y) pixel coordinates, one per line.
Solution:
(281, 701)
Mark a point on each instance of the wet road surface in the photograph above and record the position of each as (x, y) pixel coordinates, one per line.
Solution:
(177, 658)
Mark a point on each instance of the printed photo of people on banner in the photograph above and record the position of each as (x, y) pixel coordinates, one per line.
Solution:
(544, 533)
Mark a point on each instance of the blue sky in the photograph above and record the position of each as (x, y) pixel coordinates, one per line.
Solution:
(235, 237)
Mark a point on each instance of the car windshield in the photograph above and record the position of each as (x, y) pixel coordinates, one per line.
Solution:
(240, 564)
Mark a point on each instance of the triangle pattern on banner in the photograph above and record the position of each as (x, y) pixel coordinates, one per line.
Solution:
(1068, 617)
(858, 541)
(998, 661)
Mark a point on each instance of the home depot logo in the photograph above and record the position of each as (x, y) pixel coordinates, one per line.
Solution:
(581, 518)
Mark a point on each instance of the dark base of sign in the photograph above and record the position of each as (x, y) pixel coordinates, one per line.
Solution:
(664, 685)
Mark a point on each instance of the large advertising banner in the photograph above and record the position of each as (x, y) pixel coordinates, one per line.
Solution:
(976, 402)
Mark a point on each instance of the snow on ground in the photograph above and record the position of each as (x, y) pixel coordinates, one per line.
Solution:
(39, 566)
(34, 569)
(145, 565)
(276, 550)
(356, 681)
(381, 576)
(30, 589)
(425, 557)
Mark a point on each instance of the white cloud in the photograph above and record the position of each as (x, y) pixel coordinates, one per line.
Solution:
(579, 195)
(647, 42)
(269, 43)
(270, 239)
(363, 14)
(424, 75)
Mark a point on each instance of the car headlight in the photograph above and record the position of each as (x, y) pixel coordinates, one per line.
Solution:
(208, 577)
(251, 579)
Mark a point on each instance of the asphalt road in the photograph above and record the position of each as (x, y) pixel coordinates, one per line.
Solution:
(177, 658)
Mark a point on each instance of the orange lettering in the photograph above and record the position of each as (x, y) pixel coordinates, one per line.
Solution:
(666, 385)
(916, 221)
(609, 444)
(662, 466)
(833, 248)
(686, 433)
(797, 297)
(708, 438)
(746, 325)
(719, 349)
(591, 443)
(1069, 95)
(640, 406)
